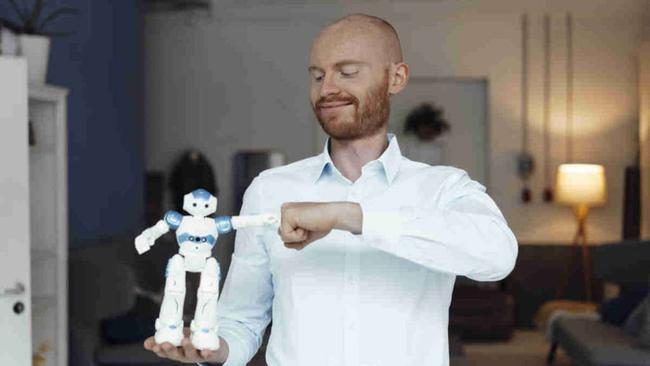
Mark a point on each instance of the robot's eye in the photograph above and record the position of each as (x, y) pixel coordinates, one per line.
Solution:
(206, 205)
(191, 238)
(203, 240)
(194, 204)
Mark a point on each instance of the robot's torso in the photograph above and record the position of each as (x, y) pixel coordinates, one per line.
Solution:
(196, 236)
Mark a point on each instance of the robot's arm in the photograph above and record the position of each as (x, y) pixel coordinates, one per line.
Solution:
(146, 240)
(239, 222)
(226, 224)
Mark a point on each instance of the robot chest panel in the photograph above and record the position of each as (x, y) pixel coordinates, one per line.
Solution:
(198, 226)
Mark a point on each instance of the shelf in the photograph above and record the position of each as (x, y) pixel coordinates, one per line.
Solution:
(43, 301)
(47, 112)
(47, 93)
(38, 150)
(43, 254)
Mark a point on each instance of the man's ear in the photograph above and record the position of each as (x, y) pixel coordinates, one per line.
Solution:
(399, 76)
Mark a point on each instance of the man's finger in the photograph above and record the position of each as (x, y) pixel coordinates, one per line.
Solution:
(172, 351)
(292, 245)
(159, 351)
(149, 343)
(294, 235)
(296, 246)
(188, 348)
(207, 354)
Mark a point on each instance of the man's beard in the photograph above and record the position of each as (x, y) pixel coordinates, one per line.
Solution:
(367, 121)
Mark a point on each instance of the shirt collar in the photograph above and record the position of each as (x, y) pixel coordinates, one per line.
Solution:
(390, 160)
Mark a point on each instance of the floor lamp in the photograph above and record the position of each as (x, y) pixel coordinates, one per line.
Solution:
(580, 186)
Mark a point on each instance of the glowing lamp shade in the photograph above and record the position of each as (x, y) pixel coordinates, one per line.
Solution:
(581, 185)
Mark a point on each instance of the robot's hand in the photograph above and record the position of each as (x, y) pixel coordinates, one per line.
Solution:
(143, 243)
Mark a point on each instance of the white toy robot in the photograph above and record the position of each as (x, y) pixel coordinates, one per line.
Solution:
(196, 235)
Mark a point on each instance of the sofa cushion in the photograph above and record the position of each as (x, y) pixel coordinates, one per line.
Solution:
(638, 324)
(592, 342)
(644, 334)
(618, 309)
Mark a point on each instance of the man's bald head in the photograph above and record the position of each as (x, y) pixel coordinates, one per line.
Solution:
(380, 34)
(355, 66)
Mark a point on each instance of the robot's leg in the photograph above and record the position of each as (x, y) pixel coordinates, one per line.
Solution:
(169, 325)
(204, 326)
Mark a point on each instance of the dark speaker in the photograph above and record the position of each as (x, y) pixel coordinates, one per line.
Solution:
(632, 203)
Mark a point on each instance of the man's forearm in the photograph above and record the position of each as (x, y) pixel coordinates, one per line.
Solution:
(348, 216)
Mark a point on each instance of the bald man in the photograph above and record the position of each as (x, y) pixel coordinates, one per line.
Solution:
(362, 268)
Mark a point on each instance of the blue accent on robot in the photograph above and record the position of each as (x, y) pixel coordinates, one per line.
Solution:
(201, 194)
(224, 225)
(169, 263)
(173, 219)
(211, 240)
(183, 237)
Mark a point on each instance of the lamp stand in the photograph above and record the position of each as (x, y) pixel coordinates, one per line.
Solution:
(579, 243)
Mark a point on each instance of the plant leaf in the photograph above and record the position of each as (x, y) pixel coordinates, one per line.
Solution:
(56, 13)
(17, 10)
(36, 11)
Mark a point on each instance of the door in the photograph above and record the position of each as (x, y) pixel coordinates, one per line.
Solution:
(15, 302)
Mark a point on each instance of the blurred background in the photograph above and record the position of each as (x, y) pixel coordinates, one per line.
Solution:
(127, 105)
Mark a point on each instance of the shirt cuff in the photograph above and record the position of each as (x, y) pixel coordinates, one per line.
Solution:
(237, 355)
(380, 228)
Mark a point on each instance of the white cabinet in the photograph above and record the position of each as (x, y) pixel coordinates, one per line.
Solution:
(48, 224)
(15, 284)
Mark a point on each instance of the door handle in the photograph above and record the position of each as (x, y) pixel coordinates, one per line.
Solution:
(18, 289)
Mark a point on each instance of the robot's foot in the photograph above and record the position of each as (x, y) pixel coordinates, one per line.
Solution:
(172, 333)
(204, 338)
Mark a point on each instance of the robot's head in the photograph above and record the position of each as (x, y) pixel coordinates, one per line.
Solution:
(200, 203)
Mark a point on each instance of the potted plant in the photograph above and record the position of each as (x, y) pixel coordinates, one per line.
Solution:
(424, 130)
(33, 35)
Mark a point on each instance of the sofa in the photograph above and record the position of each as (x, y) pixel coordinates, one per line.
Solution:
(592, 341)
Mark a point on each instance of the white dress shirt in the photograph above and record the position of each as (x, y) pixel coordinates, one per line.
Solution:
(374, 299)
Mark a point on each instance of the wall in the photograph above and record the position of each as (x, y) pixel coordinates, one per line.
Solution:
(239, 80)
(101, 64)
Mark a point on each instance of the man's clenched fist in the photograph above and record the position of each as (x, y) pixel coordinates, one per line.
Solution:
(301, 223)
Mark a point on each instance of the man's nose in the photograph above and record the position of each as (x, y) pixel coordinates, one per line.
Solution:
(329, 86)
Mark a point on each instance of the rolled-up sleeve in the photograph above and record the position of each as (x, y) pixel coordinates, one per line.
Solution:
(463, 233)
(245, 303)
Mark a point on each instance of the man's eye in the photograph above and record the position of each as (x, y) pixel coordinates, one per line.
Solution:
(349, 74)
(318, 78)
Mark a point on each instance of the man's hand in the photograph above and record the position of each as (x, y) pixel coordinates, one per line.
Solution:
(301, 223)
(186, 352)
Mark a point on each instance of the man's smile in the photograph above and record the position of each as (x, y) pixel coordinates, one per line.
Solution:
(333, 107)
(334, 104)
